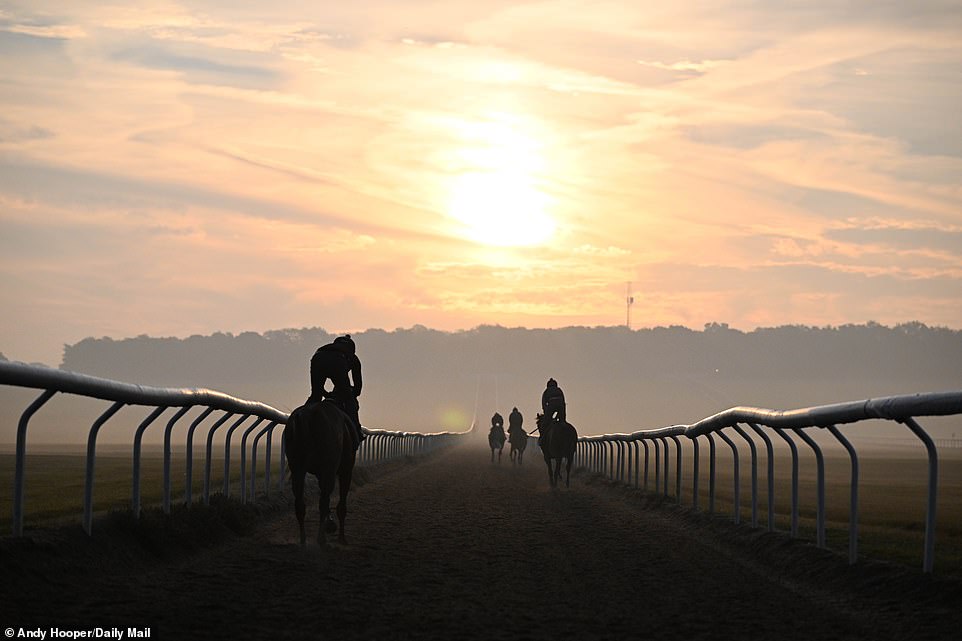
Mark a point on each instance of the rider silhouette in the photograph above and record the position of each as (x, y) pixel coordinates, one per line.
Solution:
(553, 402)
(335, 361)
(514, 421)
(497, 425)
(553, 405)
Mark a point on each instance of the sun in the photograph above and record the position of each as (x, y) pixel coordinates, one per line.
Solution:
(496, 197)
(501, 209)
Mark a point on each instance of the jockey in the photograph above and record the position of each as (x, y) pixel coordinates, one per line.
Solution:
(553, 405)
(514, 421)
(497, 425)
(335, 361)
(553, 402)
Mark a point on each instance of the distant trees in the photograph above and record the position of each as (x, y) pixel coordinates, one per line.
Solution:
(614, 378)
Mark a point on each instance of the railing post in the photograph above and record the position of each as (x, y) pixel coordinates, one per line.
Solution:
(243, 474)
(677, 468)
(694, 478)
(227, 455)
(770, 453)
(928, 561)
(165, 501)
(853, 505)
(91, 458)
(737, 474)
(628, 448)
(794, 450)
(820, 488)
(622, 454)
(18, 475)
(268, 429)
(207, 459)
(645, 443)
(754, 454)
(664, 444)
(189, 463)
(711, 473)
(657, 449)
(138, 438)
(282, 459)
(267, 459)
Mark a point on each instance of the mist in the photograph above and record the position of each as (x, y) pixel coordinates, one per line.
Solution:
(614, 379)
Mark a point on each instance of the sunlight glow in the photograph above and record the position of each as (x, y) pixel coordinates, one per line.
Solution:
(495, 194)
(500, 208)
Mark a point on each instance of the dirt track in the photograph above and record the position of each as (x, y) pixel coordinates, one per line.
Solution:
(458, 548)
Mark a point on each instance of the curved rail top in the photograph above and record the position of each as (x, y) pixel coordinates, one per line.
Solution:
(23, 375)
(896, 408)
(35, 376)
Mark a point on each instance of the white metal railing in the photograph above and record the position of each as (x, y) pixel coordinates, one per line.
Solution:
(612, 454)
(380, 445)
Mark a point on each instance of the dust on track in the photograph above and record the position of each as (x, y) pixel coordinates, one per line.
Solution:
(455, 547)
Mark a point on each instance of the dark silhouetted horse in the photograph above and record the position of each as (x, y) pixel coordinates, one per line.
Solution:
(496, 440)
(317, 442)
(558, 441)
(518, 440)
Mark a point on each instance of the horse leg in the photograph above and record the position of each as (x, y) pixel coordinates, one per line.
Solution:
(324, 507)
(568, 472)
(300, 510)
(547, 462)
(345, 472)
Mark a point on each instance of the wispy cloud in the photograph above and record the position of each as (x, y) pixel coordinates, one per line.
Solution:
(684, 65)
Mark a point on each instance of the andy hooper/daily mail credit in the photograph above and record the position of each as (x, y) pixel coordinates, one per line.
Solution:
(92, 633)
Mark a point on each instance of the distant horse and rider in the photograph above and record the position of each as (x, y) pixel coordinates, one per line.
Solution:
(322, 436)
(496, 437)
(559, 438)
(517, 437)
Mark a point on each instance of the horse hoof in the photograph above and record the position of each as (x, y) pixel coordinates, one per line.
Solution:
(330, 526)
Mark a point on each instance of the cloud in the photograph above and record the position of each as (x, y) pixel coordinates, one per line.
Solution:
(27, 45)
(926, 239)
(199, 65)
(591, 250)
(687, 66)
(16, 133)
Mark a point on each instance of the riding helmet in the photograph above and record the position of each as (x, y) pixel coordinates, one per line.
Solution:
(346, 343)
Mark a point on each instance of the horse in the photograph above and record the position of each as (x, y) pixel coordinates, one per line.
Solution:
(518, 440)
(496, 441)
(558, 441)
(317, 441)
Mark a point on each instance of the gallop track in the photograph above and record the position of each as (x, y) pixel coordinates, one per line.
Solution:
(455, 547)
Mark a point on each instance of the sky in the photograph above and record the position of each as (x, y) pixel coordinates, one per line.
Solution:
(173, 169)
